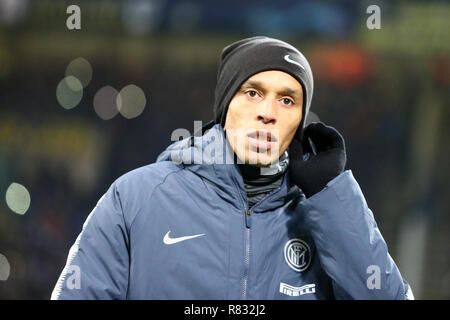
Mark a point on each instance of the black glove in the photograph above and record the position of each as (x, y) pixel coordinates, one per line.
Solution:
(325, 163)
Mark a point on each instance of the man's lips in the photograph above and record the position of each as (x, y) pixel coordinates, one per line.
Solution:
(261, 139)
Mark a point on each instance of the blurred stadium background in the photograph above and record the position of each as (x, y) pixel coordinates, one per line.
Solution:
(64, 138)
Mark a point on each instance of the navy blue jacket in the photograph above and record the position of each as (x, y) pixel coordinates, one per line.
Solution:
(180, 229)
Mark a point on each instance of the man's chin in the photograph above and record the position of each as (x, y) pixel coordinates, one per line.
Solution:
(260, 159)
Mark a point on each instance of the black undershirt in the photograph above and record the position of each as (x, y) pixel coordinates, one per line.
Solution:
(257, 185)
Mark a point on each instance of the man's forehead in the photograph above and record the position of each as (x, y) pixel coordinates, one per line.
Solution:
(276, 79)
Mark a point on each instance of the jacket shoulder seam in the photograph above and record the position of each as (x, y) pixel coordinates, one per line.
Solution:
(153, 192)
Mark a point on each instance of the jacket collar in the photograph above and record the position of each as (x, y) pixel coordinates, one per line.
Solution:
(211, 157)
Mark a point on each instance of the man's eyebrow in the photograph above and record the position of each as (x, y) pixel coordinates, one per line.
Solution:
(290, 92)
(252, 84)
(285, 91)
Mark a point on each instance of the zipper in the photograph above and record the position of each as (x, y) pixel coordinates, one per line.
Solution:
(246, 260)
(247, 217)
(248, 221)
(248, 224)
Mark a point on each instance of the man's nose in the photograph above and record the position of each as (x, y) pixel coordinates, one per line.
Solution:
(267, 114)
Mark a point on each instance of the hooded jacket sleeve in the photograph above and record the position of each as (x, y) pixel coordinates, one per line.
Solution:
(350, 246)
(98, 262)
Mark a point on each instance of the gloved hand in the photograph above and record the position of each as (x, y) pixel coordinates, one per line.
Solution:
(323, 164)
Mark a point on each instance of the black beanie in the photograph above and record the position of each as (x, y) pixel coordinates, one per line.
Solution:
(247, 57)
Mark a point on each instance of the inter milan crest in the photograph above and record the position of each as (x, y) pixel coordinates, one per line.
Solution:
(297, 254)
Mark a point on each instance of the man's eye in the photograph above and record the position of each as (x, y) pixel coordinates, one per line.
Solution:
(287, 101)
(252, 93)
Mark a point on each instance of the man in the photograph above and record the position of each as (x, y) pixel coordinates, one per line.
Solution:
(257, 207)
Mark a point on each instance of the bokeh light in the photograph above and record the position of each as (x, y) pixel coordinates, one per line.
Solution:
(12, 11)
(131, 101)
(69, 92)
(81, 69)
(105, 103)
(18, 198)
(142, 16)
(4, 268)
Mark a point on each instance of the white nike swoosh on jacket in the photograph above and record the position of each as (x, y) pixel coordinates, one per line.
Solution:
(168, 240)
